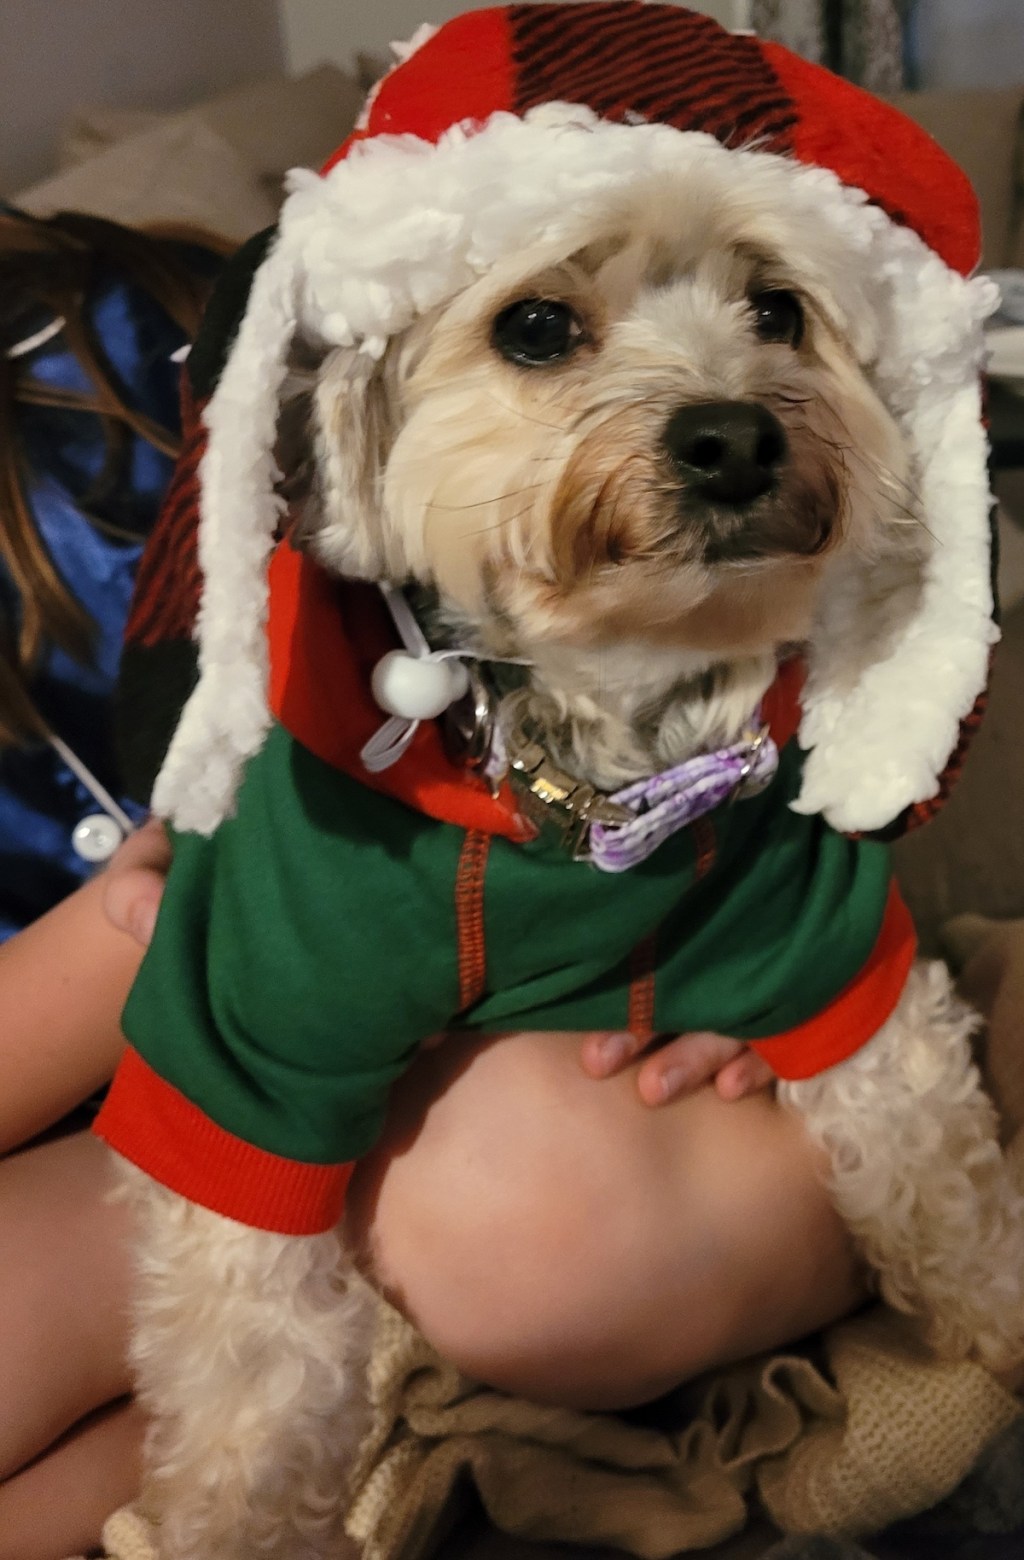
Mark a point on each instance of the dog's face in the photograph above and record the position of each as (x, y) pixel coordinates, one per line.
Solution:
(657, 436)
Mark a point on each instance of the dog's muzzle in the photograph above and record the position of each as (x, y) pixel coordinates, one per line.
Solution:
(731, 459)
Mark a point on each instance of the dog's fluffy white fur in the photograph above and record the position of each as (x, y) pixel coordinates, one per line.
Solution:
(918, 1173)
(250, 1360)
(540, 505)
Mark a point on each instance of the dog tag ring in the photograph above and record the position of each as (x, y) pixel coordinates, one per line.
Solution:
(750, 783)
(469, 724)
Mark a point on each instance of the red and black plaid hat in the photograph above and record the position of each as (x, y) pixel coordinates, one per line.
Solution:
(520, 124)
(631, 62)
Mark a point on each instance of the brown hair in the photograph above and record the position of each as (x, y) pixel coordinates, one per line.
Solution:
(52, 265)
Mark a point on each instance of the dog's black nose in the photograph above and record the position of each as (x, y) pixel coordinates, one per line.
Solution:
(727, 451)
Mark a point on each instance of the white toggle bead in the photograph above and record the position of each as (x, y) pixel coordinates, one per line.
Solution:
(417, 689)
(97, 837)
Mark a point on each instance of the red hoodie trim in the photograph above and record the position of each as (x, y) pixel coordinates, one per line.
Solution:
(326, 637)
(148, 1122)
(781, 707)
(858, 1012)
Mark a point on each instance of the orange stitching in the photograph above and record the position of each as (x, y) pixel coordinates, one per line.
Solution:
(705, 846)
(469, 916)
(640, 1014)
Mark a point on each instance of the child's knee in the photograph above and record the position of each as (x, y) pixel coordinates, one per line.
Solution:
(526, 1228)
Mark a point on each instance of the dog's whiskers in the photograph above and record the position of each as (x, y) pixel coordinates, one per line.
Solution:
(500, 524)
(517, 411)
(882, 473)
(487, 503)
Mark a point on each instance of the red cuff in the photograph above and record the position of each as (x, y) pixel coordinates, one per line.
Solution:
(858, 1012)
(151, 1124)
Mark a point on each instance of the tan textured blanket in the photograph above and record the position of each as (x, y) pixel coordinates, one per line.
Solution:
(876, 1433)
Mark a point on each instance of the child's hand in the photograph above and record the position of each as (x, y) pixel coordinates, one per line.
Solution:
(134, 881)
(681, 1066)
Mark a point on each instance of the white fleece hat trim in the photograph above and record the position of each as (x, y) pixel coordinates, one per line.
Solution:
(402, 225)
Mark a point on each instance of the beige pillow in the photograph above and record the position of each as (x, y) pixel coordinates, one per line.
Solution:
(274, 125)
(179, 172)
(971, 858)
(93, 131)
(980, 130)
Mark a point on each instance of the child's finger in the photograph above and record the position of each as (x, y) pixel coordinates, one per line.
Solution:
(131, 901)
(683, 1065)
(134, 881)
(746, 1074)
(147, 846)
(603, 1055)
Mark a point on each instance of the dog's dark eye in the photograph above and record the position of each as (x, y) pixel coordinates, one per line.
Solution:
(536, 331)
(778, 317)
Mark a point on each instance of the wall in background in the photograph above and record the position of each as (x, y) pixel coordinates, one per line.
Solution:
(970, 43)
(58, 54)
(731, 13)
(335, 30)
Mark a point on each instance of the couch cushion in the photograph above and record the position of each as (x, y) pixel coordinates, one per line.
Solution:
(981, 131)
(273, 125)
(178, 172)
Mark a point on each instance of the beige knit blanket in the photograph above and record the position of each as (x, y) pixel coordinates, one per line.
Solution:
(876, 1432)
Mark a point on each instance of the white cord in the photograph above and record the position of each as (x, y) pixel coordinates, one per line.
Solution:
(404, 619)
(99, 793)
(41, 337)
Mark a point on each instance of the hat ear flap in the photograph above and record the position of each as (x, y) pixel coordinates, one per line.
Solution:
(343, 522)
(227, 716)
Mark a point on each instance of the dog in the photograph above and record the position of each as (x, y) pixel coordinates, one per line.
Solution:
(625, 468)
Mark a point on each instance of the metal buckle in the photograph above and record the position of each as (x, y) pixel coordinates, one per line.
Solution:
(550, 796)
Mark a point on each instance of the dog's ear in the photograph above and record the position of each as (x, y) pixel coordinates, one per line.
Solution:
(294, 453)
(350, 426)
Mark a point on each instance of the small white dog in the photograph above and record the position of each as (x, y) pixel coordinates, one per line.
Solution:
(637, 414)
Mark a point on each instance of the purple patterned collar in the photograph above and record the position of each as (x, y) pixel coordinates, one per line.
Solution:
(677, 797)
(617, 831)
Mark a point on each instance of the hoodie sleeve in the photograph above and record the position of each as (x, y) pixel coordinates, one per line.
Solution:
(301, 956)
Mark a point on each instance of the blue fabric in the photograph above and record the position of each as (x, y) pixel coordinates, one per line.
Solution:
(96, 553)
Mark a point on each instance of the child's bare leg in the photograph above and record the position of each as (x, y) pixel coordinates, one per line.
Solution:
(64, 1283)
(63, 984)
(66, 1462)
(556, 1237)
(58, 1505)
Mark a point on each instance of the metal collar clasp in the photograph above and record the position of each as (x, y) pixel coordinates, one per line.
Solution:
(549, 795)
